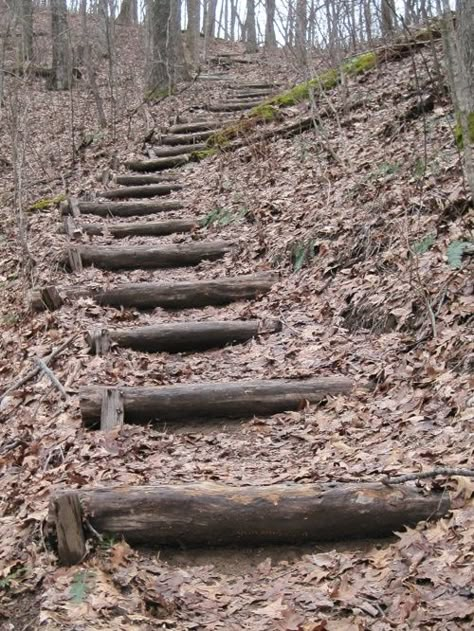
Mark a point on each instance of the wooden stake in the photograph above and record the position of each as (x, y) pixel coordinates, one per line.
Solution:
(112, 411)
(68, 519)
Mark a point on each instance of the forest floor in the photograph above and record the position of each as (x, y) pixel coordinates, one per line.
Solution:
(357, 218)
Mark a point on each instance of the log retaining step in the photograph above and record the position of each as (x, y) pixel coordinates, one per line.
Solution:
(186, 139)
(159, 164)
(138, 229)
(120, 209)
(181, 336)
(209, 514)
(163, 151)
(178, 295)
(149, 190)
(192, 127)
(146, 257)
(232, 107)
(239, 399)
(139, 180)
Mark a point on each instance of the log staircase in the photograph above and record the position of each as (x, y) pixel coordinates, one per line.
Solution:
(201, 514)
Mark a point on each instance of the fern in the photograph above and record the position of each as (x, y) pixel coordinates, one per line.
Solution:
(455, 252)
(420, 247)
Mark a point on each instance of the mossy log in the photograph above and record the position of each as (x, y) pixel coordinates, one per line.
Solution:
(242, 96)
(136, 229)
(149, 257)
(149, 190)
(210, 514)
(197, 126)
(158, 164)
(186, 139)
(231, 106)
(123, 209)
(163, 151)
(178, 295)
(139, 180)
(238, 399)
(253, 86)
(180, 336)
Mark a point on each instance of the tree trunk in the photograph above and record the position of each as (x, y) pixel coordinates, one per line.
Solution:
(180, 337)
(147, 257)
(251, 28)
(193, 30)
(301, 30)
(270, 38)
(27, 29)
(387, 15)
(210, 19)
(61, 75)
(167, 64)
(459, 48)
(210, 514)
(239, 399)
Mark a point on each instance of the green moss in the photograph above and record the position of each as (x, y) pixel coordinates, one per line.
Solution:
(157, 94)
(266, 112)
(360, 64)
(47, 202)
(204, 153)
(459, 133)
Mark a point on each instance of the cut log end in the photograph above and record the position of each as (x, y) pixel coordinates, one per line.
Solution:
(67, 516)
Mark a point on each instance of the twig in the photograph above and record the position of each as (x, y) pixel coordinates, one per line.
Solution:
(52, 377)
(37, 369)
(446, 471)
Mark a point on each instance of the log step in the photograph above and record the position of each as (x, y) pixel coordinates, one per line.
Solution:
(149, 190)
(254, 86)
(180, 337)
(161, 151)
(242, 96)
(120, 209)
(139, 180)
(203, 401)
(197, 126)
(119, 231)
(186, 139)
(145, 257)
(179, 295)
(232, 107)
(210, 514)
(159, 164)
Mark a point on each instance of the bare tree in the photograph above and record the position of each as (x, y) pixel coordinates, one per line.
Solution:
(193, 29)
(26, 16)
(301, 29)
(251, 28)
(270, 39)
(61, 75)
(459, 48)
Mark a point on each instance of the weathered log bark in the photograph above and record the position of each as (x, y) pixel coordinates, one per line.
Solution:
(165, 151)
(149, 190)
(187, 294)
(232, 107)
(138, 180)
(210, 514)
(179, 295)
(158, 164)
(181, 336)
(186, 139)
(240, 399)
(148, 257)
(242, 96)
(146, 229)
(190, 128)
(124, 209)
(65, 511)
(253, 86)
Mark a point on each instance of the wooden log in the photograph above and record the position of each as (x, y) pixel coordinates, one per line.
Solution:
(145, 229)
(232, 107)
(158, 164)
(179, 295)
(148, 257)
(66, 514)
(181, 336)
(186, 139)
(169, 150)
(112, 410)
(190, 128)
(210, 514)
(149, 190)
(187, 294)
(253, 86)
(127, 209)
(239, 399)
(138, 180)
(242, 96)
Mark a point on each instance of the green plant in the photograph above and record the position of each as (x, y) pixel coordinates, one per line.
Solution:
(81, 586)
(387, 168)
(422, 246)
(6, 582)
(223, 217)
(302, 254)
(456, 250)
(47, 202)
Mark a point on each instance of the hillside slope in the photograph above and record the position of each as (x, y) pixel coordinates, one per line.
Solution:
(357, 216)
